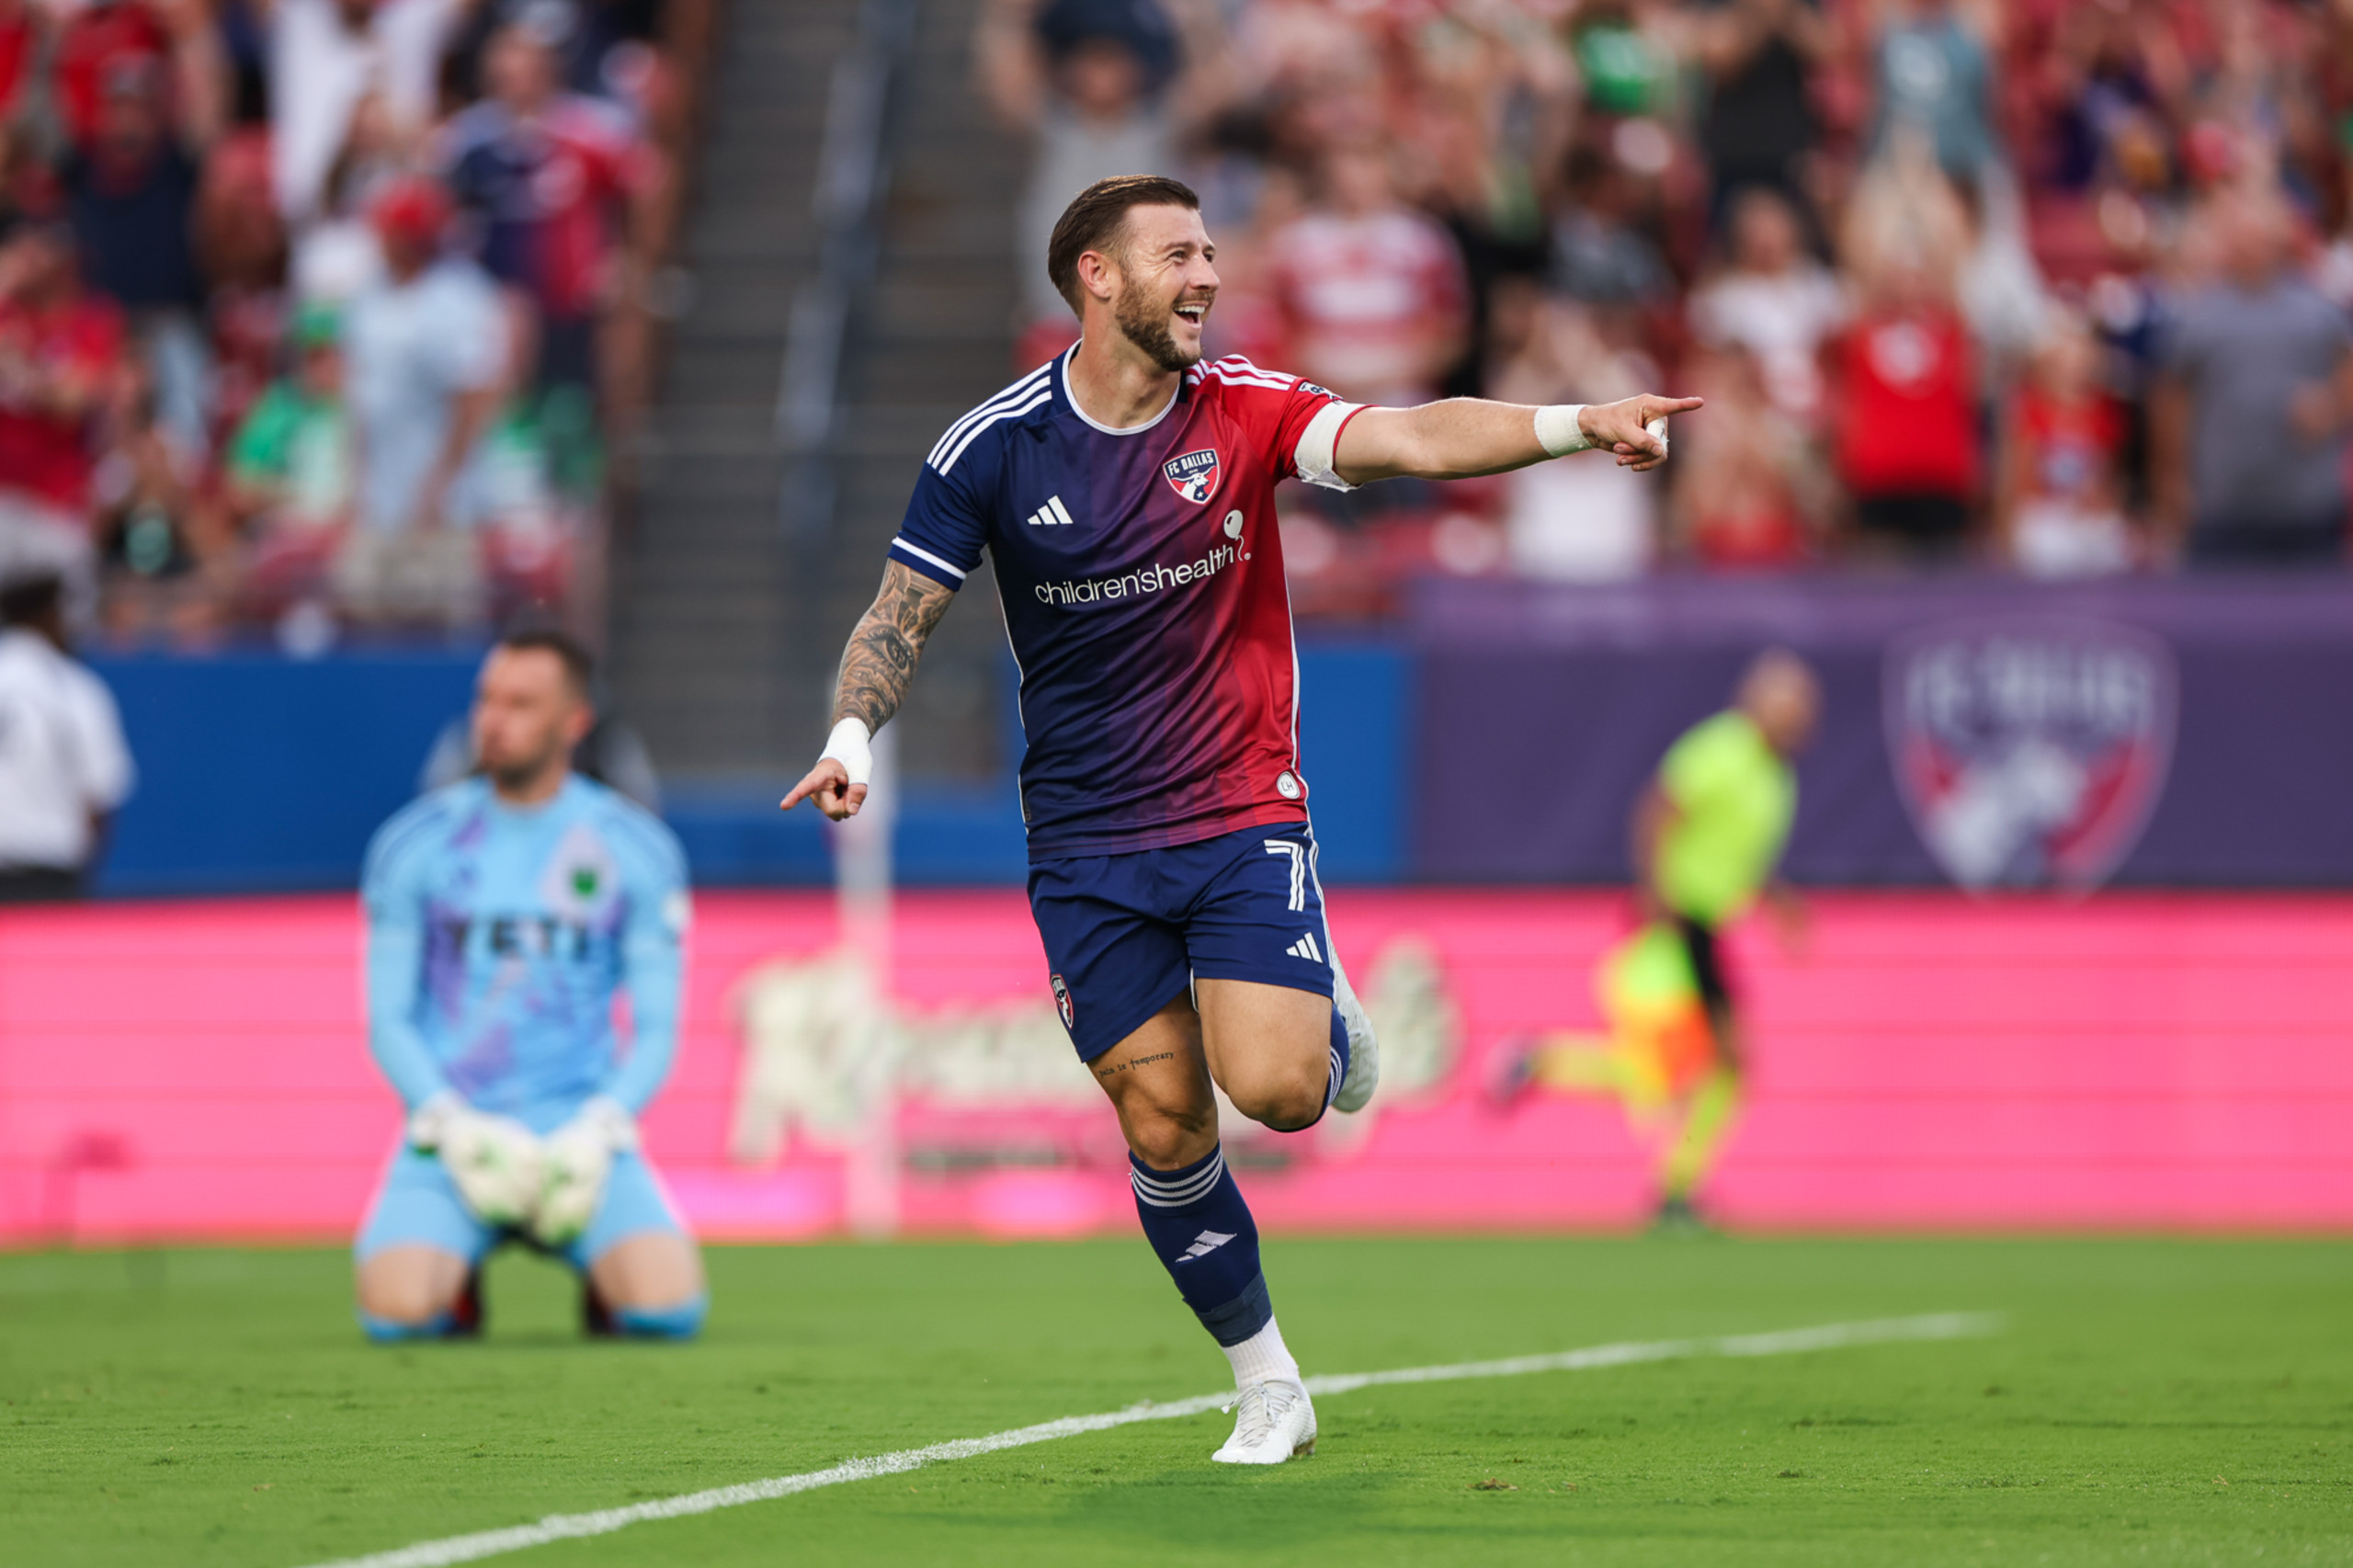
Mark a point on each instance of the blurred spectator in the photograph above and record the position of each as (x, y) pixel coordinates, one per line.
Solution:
(63, 767)
(1629, 70)
(1934, 81)
(161, 556)
(131, 190)
(336, 254)
(327, 57)
(1571, 521)
(428, 359)
(1904, 417)
(293, 469)
(99, 45)
(1757, 124)
(24, 38)
(60, 352)
(552, 177)
(1599, 254)
(1102, 87)
(1372, 291)
(2059, 501)
(1773, 300)
(2249, 422)
(1748, 490)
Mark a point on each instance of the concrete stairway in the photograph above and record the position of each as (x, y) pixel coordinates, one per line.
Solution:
(725, 626)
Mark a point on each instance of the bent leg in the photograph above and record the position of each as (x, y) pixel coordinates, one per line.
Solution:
(1274, 1051)
(642, 1266)
(1707, 1122)
(410, 1292)
(417, 1249)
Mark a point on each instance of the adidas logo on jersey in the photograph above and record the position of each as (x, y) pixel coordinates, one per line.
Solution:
(1205, 1243)
(1305, 947)
(1053, 513)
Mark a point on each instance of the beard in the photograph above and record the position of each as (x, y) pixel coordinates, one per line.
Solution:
(1145, 324)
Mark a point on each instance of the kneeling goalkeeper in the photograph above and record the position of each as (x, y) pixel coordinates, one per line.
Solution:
(505, 914)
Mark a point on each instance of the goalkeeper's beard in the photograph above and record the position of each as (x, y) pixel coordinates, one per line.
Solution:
(524, 778)
(1144, 322)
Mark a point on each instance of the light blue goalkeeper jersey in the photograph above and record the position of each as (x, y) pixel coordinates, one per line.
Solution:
(498, 938)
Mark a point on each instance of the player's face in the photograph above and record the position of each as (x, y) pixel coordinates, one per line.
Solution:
(1167, 282)
(528, 716)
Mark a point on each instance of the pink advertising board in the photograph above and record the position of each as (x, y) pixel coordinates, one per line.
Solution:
(196, 1070)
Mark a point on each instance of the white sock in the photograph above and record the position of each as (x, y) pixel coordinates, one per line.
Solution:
(1261, 1357)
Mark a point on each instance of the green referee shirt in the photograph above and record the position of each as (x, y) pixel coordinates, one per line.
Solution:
(1735, 796)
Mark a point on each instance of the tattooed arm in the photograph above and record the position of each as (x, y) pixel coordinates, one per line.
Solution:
(877, 667)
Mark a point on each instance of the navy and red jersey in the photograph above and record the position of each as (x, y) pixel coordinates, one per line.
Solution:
(1142, 572)
(547, 191)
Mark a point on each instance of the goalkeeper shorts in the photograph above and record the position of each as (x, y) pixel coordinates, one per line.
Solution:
(417, 1205)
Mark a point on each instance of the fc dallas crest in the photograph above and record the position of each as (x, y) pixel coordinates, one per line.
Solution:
(2029, 753)
(1063, 1004)
(1194, 475)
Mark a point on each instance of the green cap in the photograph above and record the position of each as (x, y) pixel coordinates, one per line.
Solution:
(318, 325)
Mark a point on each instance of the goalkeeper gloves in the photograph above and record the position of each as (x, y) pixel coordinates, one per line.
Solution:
(579, 1155)
(497, 1162)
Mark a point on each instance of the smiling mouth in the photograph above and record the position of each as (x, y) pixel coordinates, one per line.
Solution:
(1193, 311)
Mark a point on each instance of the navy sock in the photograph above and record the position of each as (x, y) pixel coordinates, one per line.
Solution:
(1339, 1059)
(1197, 1222)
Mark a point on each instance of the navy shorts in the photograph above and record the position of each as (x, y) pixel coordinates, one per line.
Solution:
(1126, 934)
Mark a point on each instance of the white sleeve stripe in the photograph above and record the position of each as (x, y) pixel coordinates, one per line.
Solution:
(1233, 380)
(1318, 446)
(1044, 395)
(1241, 362)
(1002, 400)
(1018, 390)
(920, 553)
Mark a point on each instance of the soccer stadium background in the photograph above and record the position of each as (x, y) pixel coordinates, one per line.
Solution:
(2075, 832)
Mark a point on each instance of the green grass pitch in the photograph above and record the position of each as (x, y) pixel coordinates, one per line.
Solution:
(2150, 1402)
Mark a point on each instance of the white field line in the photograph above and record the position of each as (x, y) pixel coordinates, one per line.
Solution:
(605, 1521)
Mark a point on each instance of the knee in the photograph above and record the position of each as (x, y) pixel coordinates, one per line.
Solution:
(393, 1299)
(1169, 1139)
(1285, 1098)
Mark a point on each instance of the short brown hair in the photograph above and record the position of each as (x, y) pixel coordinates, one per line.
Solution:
(1094, 218)
(579, 666)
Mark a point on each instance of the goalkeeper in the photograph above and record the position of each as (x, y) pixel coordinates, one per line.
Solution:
(505, 914)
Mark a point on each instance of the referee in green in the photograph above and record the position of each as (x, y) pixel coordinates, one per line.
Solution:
(1708, 836)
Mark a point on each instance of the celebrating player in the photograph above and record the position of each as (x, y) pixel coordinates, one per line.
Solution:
(1707, 835)
(1125, 493)
(505, 913)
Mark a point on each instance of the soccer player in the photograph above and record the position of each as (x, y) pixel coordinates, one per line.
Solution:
(1125, 493)
(1708, 833)
(506, 913)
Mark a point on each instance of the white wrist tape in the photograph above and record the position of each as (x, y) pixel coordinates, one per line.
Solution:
(850, 745)
(1557, 431)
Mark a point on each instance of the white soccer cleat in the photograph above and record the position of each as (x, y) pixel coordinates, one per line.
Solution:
(1273, 1421)
(1364, 1047)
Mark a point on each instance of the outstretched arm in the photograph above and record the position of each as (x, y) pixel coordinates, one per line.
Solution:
(1466, 435)
(877, 668)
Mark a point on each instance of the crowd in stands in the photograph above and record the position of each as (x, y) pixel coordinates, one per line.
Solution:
(2057, 286)
(314, 313)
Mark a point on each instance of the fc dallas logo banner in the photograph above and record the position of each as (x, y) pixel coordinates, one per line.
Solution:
(2029, 753)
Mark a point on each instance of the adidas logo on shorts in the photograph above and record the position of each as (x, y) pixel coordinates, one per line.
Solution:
(1305, 947)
